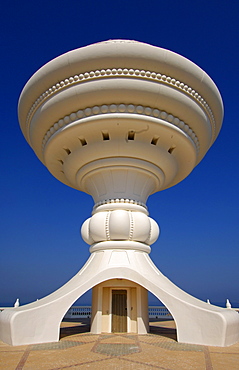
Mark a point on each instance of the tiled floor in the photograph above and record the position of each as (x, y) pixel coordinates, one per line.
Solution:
(78, 349)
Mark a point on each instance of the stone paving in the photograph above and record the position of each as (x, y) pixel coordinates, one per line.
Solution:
(79, 349)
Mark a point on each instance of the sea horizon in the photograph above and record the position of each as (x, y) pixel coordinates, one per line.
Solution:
(219, 304)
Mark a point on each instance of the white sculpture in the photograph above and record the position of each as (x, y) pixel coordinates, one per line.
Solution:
(17, 303)
(228, 304)
(120, 120)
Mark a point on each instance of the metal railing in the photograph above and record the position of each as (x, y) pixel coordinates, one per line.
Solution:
(157, 312)
(78, 311)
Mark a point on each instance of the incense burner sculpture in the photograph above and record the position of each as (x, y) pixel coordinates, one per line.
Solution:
(120, 120)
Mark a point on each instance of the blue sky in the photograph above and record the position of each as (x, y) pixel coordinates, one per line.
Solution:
(41, 247)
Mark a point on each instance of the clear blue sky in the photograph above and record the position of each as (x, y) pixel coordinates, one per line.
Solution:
(41, 247)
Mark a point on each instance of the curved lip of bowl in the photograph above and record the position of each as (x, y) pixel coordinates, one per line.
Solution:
(128, 53)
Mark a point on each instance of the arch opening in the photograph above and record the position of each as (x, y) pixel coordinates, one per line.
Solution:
(77, 318)
(161, 320)
(118, 306)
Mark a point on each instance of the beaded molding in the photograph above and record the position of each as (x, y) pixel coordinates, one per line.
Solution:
(121, 108)
(107, 229)
(131, 232)
(125, 72)
(122, 200)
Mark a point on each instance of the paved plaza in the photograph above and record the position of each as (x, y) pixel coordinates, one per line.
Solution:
(79, 349)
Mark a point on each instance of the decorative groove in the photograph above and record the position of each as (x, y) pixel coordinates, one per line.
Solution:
(91, 240)
(121, 108)
(119, 72)
(150, 233)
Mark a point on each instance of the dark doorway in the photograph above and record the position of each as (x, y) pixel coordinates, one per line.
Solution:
(119, 311)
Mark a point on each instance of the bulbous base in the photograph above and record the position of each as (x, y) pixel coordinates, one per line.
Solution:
(120, 224)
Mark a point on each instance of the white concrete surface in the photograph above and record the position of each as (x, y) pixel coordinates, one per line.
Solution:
(196, 321)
